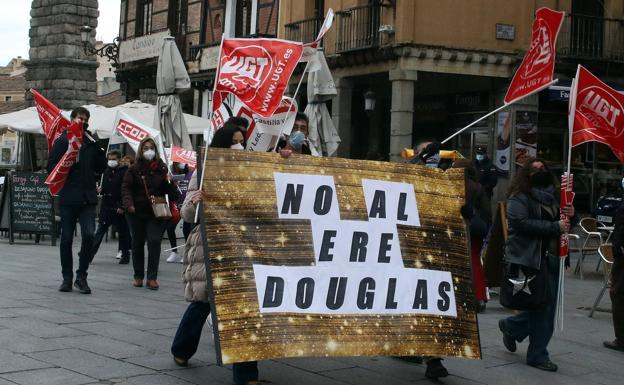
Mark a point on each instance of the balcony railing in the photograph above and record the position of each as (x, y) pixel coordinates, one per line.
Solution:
(304, 31)
(358, 27)
(195, 50)
(591, 37)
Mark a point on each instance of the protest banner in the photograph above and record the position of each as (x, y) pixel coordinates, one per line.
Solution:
(52, 120)
(313, 256)
(182, 155)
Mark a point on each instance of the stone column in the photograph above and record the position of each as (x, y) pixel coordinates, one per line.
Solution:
(341, 115)
(58, 67)
(402, 111)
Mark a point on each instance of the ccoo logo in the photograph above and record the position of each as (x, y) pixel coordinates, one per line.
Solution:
(601, 109)
(245, 70)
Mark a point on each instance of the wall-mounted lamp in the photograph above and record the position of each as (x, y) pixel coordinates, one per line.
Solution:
(369, 101)
(110, 50)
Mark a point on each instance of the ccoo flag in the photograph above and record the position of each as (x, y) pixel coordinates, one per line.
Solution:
(256, 71)
(537, 67)
(597, 113)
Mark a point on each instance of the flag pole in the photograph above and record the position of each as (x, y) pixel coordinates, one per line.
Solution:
(294, 97)
(498, 109)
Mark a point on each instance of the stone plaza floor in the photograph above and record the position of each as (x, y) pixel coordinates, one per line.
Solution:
(122, 335)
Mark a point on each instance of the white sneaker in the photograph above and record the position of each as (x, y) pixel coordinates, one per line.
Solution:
(118, 255)
(174, 257)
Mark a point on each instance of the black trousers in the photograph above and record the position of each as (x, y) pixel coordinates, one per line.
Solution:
(120, 223)
(189, 331)
(85, 214)
(144, 230)
(617, 299)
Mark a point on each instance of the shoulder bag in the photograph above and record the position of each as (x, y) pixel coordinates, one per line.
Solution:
(160, 206)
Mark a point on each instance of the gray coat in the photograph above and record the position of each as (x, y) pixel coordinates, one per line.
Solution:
(526, 230)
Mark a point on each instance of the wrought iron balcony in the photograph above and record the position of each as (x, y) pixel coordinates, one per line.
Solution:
(590, 37)
(195, 50)
(358, 27)
(304, 31)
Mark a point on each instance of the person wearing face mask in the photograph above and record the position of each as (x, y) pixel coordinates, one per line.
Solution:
(111, 209)
(149, 173)
(78, 199)
(485, 170)
(297, 141)
(534, 227)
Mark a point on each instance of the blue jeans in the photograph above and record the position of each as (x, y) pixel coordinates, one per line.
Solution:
(538, 324)
(85, 214)
(189, 331)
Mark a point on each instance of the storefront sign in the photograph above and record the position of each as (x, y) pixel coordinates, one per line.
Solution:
(143, 47)
(209, 58)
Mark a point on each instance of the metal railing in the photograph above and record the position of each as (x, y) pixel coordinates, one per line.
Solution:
(195, 50)
(358, 27)
(591, 37)
(304, 31)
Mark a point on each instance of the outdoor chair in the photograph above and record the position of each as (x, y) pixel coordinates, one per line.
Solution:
(606, 255)
(589, 228)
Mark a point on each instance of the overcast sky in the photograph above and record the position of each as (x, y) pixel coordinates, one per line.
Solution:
(15, 22)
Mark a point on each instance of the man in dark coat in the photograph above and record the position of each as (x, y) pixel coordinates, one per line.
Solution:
(617, 283)
(78, 199)
(485, 170)
(111, 209)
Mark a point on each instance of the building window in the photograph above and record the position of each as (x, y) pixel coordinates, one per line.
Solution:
(144, 17)
(267, 17)
(123, 19)
(178, 10)
(8, 98)
(212, 22)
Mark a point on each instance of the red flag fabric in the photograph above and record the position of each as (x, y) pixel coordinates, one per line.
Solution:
(567, 197)
(52, 121)
(598, 113)
(56, 179)
(256, 71)
(537, 67)
(183, 155)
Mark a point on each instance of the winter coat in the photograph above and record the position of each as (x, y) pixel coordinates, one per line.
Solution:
(194, 269)
(526, 230)
(79, 188)
(154, 173)
(111, 192)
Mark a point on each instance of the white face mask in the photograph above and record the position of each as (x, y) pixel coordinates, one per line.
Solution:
(149, 154)
(113, 163)
(237, 146)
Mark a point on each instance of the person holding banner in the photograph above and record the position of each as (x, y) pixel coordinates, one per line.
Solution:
(146, 178)
(189, 331)
(78, 198)
(533, 244)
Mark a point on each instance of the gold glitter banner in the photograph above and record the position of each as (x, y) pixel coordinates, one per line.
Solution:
(311, 256)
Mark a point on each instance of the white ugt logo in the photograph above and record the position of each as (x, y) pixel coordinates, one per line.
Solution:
(245, 69)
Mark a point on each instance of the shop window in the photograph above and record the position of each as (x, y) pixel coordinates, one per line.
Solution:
(178, 10)
(244, 10)
(267, 17)
(213, 21)
(145, 9)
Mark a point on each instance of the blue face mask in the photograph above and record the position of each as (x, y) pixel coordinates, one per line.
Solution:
(296, 140)
(480, 157)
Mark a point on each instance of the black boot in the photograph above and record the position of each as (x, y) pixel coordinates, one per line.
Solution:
(435, 369)
(66, 285)
(82, 286)
(125, 259)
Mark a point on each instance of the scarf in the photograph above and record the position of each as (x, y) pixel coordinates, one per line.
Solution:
(544, 195)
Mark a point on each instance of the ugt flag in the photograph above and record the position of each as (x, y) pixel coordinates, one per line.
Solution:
(598, 113)
(52, 120)
(56, 179)
(537, 67)
(256, 71)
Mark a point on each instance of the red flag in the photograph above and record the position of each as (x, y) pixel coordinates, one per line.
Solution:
(537, 67)
(56, 179)
(567, 197)
(256, 71)
(52, 121)
(182, 155)
(598, 113)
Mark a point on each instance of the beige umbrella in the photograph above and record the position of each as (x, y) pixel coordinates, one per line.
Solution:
(321, 88)
(171, 78)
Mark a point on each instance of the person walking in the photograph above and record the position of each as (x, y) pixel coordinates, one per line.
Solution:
(181, 176)
(617, 283)
(147, 177)
(533, 243)
(111, 209)
(78, 199)
(187, 336)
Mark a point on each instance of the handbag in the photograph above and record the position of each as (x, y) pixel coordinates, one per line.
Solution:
(522, 287)
(160, 205)
(175, 213)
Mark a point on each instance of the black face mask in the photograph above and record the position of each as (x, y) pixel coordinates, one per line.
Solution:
(541, 179)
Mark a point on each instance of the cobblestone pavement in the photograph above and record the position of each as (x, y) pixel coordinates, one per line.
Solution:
(121, 335)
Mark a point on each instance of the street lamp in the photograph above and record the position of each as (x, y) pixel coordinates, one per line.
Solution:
(369, 101)
(110, 50)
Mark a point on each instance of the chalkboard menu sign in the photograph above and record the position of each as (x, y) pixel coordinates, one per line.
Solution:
(28, 203)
